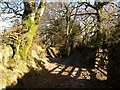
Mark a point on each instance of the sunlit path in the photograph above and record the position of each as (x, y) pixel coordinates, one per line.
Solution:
(76, 69)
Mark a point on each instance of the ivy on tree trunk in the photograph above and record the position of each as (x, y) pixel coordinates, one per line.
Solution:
(30, 20)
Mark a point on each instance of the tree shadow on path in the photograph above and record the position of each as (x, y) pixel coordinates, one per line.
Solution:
(65, 76)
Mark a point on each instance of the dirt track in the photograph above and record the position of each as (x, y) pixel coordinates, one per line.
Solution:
(63, 73)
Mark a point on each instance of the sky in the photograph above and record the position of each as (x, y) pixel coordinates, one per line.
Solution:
(6, 23)
(3, 25)
(68, 0)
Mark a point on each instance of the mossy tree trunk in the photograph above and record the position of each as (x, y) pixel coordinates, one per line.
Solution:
(100, 22)
(69, 26)
(30, 20)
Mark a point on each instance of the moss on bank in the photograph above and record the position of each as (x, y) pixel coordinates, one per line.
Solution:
(16, 69)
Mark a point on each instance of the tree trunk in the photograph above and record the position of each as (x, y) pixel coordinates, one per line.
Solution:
(30, 20)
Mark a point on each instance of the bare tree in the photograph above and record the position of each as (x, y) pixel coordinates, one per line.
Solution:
(30, 21)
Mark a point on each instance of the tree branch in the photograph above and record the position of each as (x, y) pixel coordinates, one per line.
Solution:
(84, 14)
(40, 11)
(14, 11)
(90, 5)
